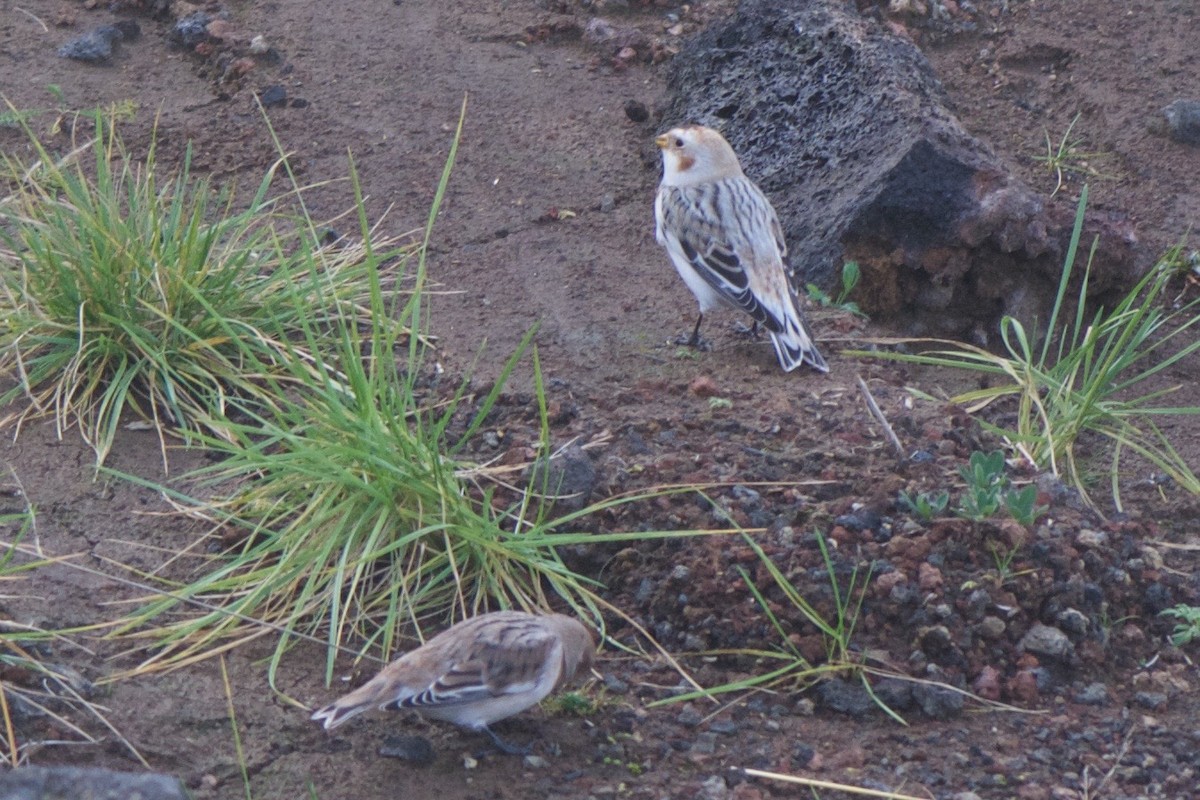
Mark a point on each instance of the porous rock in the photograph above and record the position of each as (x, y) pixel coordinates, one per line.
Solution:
(87, 783)
(568, 477)
(1048, 642)
(846, 128)
(1183, 121)
(96, 46)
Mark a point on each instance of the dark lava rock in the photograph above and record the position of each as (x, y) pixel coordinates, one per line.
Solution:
(845, 697)
(1156, 598)
(191, 30)
(803, 755)
(569, 477)
(1048, 642)
(413, 749)
(87, 783)
(863, 519)
(273, 97)
(846, 128)
(1183, 121)
(1073, 621)
(96, 46)
(689, 717)
(938, 702)
(636, 111)
(1094, 694)
(894, 693)
(724, 727)
(1150, 700)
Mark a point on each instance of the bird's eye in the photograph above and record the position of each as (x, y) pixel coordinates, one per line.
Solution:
(678, 142)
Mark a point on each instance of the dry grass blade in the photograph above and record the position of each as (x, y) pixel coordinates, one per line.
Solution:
(813, 783)
(53, 692)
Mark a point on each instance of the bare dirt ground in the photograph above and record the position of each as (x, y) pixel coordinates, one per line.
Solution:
(1113, 715)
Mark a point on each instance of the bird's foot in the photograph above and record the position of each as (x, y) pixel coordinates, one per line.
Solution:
(694, 342)
(749, 331)
(507, 747)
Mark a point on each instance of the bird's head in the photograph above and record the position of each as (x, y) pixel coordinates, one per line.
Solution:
(695, 154)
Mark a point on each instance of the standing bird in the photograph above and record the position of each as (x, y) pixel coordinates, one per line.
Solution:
(726, 242)
(476, 672)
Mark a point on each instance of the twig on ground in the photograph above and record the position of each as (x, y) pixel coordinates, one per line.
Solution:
(873, 407)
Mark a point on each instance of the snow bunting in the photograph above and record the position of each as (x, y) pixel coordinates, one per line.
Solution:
(481, 670)
(726, 242)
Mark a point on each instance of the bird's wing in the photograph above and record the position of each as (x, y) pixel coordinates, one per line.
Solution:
(730, 236)
(500, 660)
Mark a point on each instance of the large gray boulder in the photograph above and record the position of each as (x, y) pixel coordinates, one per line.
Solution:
(847, 129)
(87, 783)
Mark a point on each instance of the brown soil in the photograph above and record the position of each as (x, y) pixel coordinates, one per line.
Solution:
(547, 131)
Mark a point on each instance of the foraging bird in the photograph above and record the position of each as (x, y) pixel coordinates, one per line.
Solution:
(477, 672)
(725, 241)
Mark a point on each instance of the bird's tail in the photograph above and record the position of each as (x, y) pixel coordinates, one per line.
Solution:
(794, 346)
(350, 705)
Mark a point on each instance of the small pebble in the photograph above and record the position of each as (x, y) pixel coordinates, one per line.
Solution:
(1094, 694)
(723, 726)
(273, 96)
(689, 717)
(715, 788)
(636, 111)
(1151, 701)
(1183, 121)
(192, 29)
(615, 685)
(413, 749)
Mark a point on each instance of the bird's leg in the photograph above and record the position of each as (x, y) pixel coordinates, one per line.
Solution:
(694, 340)
(506, 747)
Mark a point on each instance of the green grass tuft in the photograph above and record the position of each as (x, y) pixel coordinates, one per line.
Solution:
(1083, 381)
(127, 292)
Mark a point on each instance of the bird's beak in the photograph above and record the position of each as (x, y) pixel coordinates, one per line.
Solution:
(662, 141)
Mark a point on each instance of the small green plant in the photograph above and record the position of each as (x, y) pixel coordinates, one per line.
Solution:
(1188, 629)
(576, 704)
(851, 274)
(720, 403)
(988, 489)
(985, 484)
(926, 505)
(1021, 504)
(633, 767)
(1003, 557)
(1068, 157)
